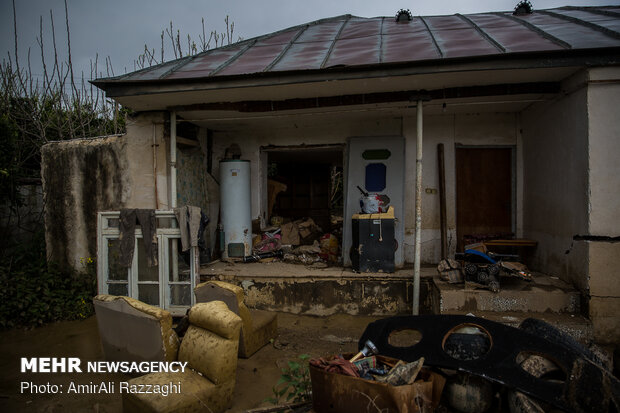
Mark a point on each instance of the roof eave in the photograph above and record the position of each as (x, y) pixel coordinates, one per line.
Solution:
(115, 87)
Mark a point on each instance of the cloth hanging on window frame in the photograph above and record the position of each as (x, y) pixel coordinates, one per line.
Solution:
(127, 227)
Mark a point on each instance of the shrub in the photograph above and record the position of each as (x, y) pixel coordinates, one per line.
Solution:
(34, 292)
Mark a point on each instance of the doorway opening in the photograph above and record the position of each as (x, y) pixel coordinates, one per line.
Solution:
(485, 193)
(305, 184)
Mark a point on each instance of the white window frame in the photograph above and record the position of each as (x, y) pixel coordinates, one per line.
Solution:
(106, 232)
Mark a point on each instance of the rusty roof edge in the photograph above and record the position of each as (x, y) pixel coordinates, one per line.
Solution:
(381, 40)
(536, 29)
(331, 47)
(286, 49)
(584, 23)
(520, 60)
(228, 46)
(483, 33)
(432, 36)
(594, 10)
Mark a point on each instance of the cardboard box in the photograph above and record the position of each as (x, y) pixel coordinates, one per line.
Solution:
(338, 393)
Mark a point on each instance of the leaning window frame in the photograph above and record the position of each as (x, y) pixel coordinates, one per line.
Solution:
(106, 232)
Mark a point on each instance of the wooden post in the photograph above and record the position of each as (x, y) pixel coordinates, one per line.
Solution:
(442, 201)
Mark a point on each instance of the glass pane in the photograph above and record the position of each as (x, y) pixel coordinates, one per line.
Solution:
(148, 293)
(179, 262)
(145, 273)
(115, 271)
(117, 289)
(180, 294)
(166, 222)
(375, 177)
(113, 222)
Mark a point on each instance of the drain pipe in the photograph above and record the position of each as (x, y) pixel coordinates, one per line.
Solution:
(418, 210)
(174, 254)
(173, 159)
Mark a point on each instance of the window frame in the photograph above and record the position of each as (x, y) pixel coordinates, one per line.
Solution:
(106, 232)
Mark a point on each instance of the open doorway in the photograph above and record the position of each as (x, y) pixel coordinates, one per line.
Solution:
(305, 182)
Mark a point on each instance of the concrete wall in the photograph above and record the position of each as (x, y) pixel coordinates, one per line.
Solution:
(572, 176)
(555, 146)
(476, 129)
(603, 99)
(449, 129)
(82, 177)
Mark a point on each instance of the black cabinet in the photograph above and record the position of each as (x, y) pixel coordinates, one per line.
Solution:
(373, 243)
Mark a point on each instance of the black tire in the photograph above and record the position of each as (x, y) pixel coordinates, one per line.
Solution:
(547, 331)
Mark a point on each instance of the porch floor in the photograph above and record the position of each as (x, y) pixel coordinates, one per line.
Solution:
(277, 269)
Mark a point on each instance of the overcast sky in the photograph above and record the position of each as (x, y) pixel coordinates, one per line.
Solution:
(118, 29)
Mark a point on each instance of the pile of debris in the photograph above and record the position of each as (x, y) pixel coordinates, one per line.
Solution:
(479, 267)
(352, 384)
(298, 242)
(488, 366)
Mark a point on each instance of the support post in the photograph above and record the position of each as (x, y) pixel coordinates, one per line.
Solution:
(418, 209)
(173, 192)
(442, 201)
(173, 159)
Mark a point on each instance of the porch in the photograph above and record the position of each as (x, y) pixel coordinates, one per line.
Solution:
(303, 290)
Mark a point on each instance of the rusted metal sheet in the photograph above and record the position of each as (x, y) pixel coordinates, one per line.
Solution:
(204, 65)
(350, 52)
(456, 38)
(407, 42)
(349, 41)
(260, 55)
(610, 22)
(514, 37)
(307, 55)
(579, 37)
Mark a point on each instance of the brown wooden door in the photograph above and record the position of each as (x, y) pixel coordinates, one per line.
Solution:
(483, 193)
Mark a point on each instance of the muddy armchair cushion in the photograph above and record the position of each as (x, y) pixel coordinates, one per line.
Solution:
(131, 330)
(258, 327)
(211, 342)
(210, 348)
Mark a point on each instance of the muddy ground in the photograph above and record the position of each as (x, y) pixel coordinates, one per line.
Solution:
(316, 336)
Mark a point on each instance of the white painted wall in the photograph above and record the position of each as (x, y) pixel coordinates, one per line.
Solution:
(138, 143)
(555, 145)
(603, 96)
(449, 129)
(476, 129)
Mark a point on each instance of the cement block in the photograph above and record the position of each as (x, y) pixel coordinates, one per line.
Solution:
(605, 317)
(544, 294)
(604, 273)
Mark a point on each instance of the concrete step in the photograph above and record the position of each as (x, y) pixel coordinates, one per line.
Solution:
(543, 294)
(299, 289)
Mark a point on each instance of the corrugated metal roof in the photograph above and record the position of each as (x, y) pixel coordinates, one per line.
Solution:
(349, 41)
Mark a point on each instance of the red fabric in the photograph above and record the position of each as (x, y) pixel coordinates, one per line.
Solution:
(337, 365)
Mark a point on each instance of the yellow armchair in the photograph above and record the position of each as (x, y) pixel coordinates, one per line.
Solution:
(210, 348)
(258, 327)
(131, 330)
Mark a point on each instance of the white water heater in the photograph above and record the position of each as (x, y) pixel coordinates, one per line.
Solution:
(236, 208)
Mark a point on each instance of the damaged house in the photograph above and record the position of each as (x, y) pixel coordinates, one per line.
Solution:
(525, 106)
